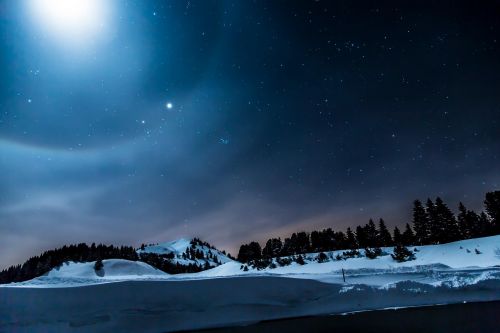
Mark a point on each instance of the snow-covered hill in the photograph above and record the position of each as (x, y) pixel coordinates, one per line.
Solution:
(185, 252)
(80, 274)
(113, 268)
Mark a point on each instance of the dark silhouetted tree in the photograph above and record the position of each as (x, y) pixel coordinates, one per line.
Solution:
(273, 248)
(398, 239)
(322, 257)
(98, 265)
(420, 223)
(384, 236)
(402, 254)
(300, 260)
(435, 223)
(372, 253)
(492, 205)
(463, 222)
(371, 234)
(408, 236)
(249, 252)
(361, 237)
(351, 239)
(448, 227)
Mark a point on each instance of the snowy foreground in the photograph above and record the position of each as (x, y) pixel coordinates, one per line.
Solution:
(134, 297)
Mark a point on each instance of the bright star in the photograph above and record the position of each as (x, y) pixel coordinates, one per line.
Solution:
(169, 105)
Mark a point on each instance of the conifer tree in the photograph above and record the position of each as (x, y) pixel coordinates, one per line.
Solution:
(98, 265)
(448, 228)
(397, 236)
(420, 223)
(474, 224)
(402, 254)
(408, 236)
(361, 237)
(463, 223)
(351, 239)
(492, 205)
(249, 252)
(435, 225)
(371, 234)
(485, 226)
(272, 248)
(384, 236)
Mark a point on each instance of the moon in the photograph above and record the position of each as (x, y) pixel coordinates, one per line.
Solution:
(70, 21)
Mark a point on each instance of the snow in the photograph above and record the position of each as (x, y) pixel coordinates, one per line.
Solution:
(430, 258)
(147, 300)
(113, 268)
(178, 247)
(434, 265)
(73, 274)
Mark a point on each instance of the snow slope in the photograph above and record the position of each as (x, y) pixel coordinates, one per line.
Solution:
(455, 255)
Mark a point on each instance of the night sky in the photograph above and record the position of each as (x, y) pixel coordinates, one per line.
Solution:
(233, 121)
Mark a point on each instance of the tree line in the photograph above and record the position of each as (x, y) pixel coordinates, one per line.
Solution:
(432, 223)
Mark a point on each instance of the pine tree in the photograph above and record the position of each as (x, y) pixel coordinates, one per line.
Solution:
(474, 224)
(361, 237)
(384, 236)
(397, 236)
(322, 257)
(98, 265)
(420, 223)
(371, 234)
(402, 254)
(485, 225)
(435, 225)
(492, 205)
(273, 248)
(351, 239)
(249, 252)
(448, 231)
(463, 223)
(372, 253)
(300, 260)
(408, 236)
(303, 242)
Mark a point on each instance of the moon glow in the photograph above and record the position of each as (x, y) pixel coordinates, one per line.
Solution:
(71, 21)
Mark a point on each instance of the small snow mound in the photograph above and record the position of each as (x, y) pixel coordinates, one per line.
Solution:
(112, 268)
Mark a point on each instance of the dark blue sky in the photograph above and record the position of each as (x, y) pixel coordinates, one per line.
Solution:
(285, 116)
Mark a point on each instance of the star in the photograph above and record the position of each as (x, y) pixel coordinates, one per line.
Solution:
(169, 105)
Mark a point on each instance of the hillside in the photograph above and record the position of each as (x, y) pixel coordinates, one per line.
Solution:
(188, 251)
